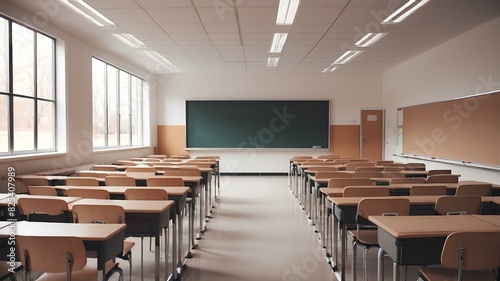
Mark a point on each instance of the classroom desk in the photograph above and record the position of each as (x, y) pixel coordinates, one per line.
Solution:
(404, 188)
(144, 218)
(176, 193)
(106, 240)
(419, 240)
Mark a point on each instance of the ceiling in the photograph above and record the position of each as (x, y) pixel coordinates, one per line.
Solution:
(225, 36)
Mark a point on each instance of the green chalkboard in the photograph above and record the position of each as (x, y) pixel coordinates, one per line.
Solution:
(257, 123)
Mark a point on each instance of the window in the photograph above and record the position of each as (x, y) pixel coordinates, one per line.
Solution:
(27, 90)
(117, 107)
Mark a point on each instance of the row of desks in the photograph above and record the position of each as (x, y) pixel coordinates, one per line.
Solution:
(143, 219)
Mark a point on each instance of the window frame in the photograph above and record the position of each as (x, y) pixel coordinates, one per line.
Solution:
(35, 99)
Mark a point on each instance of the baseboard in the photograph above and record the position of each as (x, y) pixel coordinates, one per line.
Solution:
(254, 174)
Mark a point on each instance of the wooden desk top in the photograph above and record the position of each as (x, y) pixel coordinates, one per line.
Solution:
(6, 201)
(174, 190)
(414, 200)
(430, 226)
(47, 177)
(85, 231)
(494, 199)
(135, 206)
(332, 191)
(494, 219)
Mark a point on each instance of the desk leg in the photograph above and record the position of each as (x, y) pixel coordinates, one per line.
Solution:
(101, 275)
(207, 203)
(202, 214)
(180, 238)
(335, 241)
(380, 265)
(323, 218)
(395, 270)
(174, 248)
(167, 275)
(157, 257)
(343, 246)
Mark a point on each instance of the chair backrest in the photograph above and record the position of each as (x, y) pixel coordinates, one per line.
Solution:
(32, 181)
(44, 209)
(333, 175)
(93, 193)
(408, 180)
(383, 207)
(458, 205)
(438, 172)
(82, 181)
(64, 252)
(42, 190)
(367, 174)
(369, 169)
(324, 168)
(124, 162)
(443, 179)
(98, 214)
(146, 194)
(477, 250)
(383, 162)
(415, 166)
(141, 169)
(163, 181)
(183, 172)
(428, 189)
(394, 169)
(183, 156)
(366, 191)
(392, 175)
(474, 189)
(343, 182)
(104, 168)
(171, 160)
(357, 159)
(328, 156)
(157, 156)
(351, 166)
(90, 174)
(120, 181)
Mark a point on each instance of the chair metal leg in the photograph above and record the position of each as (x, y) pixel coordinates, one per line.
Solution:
(354, 259)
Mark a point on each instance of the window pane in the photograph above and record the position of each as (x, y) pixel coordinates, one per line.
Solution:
(4, 123)
(46, 125)
(23, 60)
(4, 55)
(24, 136)
(45, 67)
(124, 108)
(136, 111)
(112, 106)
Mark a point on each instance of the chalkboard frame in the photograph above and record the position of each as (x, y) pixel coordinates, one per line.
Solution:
(278, 112)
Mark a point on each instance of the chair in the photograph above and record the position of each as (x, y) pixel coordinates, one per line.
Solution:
(171, 160)
(343, 182)
(366, 233)
(474, 189)
(415, 166)
(163, 181)
(351, 166)
(157, 156)
(324, 168)
(145, 194)
(42, 190)
(90, 174)
(408, 180)
(383, 162)
(180, 156)
(369, 169)
(119, 181)
(443, 179)
(46, 210)
(82, 181)
(329, 156)
(88, 193)
(428, 189)
(458, 205)
(467, 256)
(366, 191)
(438, 172)
(367, 174)
(333, 174)
(110, 168)
(104, 214)
(141, 169)
(68, 259)
(35, 181)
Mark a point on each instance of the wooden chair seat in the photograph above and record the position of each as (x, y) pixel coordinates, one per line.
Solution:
(42, 190)
(365, 236)
(88, 273)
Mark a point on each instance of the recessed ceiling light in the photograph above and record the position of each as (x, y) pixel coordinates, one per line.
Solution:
(287, 10)
(406, 10)
(279, 41)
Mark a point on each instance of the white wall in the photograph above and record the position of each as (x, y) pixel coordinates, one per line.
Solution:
(348, 94)
(465, 65)
(78, 79)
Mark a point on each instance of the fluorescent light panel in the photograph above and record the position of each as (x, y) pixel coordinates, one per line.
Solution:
(272, 62)
(406, 10)
(88, 12)
(162, 61)
(347, 56)
(369, 39)
(329, 69)
(287, 10)
(129, 39)
(279, 41)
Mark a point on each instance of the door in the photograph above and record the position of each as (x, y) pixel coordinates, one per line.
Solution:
(372, 132)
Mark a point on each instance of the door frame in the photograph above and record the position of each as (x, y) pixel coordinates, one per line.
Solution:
(361, 130)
